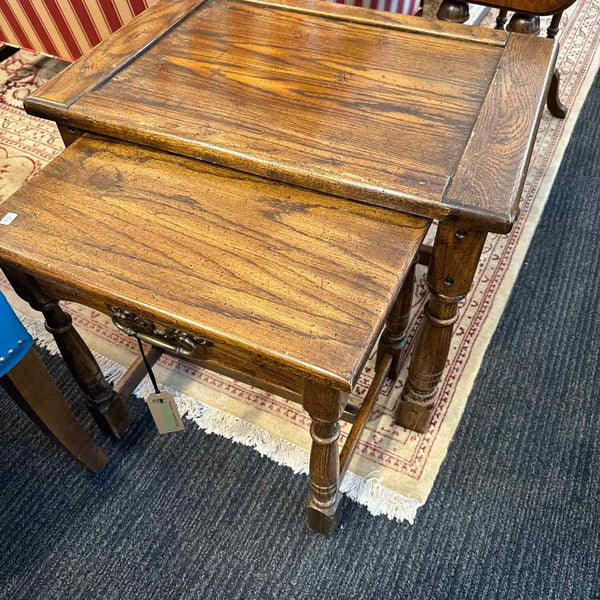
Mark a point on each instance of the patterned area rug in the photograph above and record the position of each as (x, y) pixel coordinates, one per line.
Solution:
(394, 469)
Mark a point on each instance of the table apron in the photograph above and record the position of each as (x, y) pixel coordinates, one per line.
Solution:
(221, 357)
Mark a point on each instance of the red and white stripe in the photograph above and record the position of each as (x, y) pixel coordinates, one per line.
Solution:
(68, 28)
(405, 7)
(64, 28)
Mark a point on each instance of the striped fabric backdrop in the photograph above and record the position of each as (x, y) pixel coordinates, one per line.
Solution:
(67, 28)
(64, 28)
(405, 7)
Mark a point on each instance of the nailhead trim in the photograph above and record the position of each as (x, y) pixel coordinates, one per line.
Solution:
(11, 351)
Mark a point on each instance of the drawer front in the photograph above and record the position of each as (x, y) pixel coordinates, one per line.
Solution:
(230, 360)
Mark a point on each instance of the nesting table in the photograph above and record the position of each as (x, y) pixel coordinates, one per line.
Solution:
(247, 184)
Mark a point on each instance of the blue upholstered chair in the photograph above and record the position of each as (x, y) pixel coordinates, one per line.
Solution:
(15, 341)
(26, 379)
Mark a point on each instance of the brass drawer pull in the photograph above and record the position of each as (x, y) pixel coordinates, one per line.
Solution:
(172, 340)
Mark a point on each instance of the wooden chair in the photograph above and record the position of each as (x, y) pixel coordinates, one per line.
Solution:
(26, 379)
(526, 19)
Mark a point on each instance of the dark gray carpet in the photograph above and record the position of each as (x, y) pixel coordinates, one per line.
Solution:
(514, 513)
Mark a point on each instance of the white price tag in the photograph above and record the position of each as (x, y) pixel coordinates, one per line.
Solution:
(164, 412)
(8, 218)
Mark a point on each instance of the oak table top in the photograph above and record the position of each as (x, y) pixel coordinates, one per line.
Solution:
(252, 265)
(429, 118)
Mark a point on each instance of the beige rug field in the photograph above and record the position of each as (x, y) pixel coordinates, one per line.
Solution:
(394, 469)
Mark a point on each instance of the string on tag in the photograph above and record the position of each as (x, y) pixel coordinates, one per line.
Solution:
(162, 405)
(148, 366)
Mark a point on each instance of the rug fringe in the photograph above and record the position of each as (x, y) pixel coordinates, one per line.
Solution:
(367, 491)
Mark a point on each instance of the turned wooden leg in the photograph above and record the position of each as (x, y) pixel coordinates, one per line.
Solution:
(33, 389)
(453, 11)
(325, 405)
(522, 23)
(552, 30)
(393, 338)
(453, 264)
(555, 106)
(501, 19)
(105, 405)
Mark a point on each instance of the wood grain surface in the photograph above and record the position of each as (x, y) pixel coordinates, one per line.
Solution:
(53, 99)
(385, 19)
(109, 57)
(296, 277)
(390, 110)
(490, 176)
(325, 103)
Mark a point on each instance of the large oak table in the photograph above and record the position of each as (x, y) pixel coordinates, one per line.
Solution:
(248, 183)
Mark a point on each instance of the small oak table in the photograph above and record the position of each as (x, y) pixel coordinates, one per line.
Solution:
(336, 135)
(277, 286)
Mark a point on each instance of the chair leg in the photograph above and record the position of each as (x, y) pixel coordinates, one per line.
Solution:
(555, 106)
(501, 19)
(454, 261)
(393, 338)
(105, 405)
(33, 389)
(325, 405)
